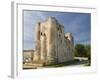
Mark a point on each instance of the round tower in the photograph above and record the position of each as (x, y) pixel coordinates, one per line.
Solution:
(70, 45)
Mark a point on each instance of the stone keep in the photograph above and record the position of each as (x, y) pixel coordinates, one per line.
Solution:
(52, 44)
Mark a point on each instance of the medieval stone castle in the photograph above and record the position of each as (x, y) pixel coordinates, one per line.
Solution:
(52, 45)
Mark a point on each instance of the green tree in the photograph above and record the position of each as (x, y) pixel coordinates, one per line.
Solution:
(88, 50)
(80, 50)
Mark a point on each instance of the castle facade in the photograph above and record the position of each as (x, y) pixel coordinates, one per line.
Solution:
(52, 44)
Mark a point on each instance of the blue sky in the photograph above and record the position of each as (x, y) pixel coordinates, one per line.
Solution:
(79, 24)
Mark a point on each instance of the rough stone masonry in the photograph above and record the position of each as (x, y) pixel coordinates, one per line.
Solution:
(52, 45)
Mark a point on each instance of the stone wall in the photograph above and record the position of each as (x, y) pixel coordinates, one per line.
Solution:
(52, 44)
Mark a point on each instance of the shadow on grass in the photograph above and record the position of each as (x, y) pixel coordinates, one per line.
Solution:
(69, 63)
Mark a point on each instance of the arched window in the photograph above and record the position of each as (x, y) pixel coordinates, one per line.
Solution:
(44, 34)
(41, 33)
